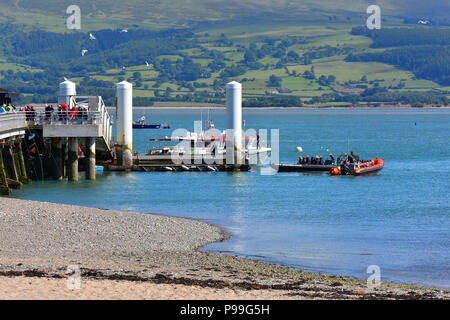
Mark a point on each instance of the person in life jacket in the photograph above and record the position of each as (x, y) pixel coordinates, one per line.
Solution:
(73, 113)
(64, 111)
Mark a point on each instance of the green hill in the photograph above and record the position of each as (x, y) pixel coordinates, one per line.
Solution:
(101, 14)
(281, 50)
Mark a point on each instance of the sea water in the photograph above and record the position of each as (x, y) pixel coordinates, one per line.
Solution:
(398, 219)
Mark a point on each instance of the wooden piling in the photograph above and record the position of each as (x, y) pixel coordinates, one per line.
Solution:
(11, 165)
(20, 163)
(4, 187)
(58, 155)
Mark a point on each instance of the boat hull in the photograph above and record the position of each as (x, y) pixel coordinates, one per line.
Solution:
(376, 167)
(303, 167)
(150, 126)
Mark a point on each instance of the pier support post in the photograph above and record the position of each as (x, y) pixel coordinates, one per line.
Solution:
(57, 150)
(4, 188)
(90, 158)
(20, 163)
(124, 124)
(235, 154)
(72, 166)
(13, 180)
(65, 156)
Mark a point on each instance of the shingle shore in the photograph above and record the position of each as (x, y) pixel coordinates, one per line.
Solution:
(43, 239)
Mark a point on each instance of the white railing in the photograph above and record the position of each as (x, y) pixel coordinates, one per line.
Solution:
(63, 117)
(92, 111)
(6, 116)
(12, 120)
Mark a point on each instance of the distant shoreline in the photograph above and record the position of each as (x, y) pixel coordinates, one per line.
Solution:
(308, 108)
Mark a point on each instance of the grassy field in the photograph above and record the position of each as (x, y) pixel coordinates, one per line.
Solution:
(324, 23)
(317, 36)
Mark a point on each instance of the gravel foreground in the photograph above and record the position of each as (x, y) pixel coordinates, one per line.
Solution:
(124, 255)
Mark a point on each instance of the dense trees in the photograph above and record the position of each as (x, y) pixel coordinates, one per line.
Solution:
(395, 37)
(425, 51)
(428, 62)
(278, 101)
(382, 95)
(274, 81)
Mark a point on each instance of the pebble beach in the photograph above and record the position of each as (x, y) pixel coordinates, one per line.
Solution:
(124, 255)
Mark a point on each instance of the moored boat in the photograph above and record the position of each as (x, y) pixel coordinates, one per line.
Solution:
(358, 168)
(302, 167)
(368, 167)
(142, 125)
(150, 126)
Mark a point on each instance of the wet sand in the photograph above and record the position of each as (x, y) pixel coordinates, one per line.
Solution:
(122, 255)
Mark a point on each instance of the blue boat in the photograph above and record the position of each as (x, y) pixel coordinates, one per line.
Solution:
(150, 126)
(142, 125)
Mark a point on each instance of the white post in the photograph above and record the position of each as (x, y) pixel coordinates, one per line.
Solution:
(124, 123)
(67, 90)
(234, 120)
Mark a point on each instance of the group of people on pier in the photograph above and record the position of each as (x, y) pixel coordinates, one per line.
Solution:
(62, 113)
(29, 110)
(65, 113)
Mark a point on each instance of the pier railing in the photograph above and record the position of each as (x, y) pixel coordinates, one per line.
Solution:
(63, 118)
(91, 110)
(12, 121)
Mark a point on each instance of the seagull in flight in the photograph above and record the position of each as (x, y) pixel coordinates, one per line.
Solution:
(92, 37)
(146, 62)
(83, 52)
(123, 31)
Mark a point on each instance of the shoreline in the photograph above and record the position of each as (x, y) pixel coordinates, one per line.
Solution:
(337, 108)
(123, 252)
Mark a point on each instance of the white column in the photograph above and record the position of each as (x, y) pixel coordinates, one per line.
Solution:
(124, 123)
(234, 119)
(67, 89)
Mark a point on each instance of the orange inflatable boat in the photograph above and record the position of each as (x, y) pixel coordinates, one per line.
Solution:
(372, 166)
(359, 169)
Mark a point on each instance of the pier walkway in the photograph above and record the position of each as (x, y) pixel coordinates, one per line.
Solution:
(28, 139)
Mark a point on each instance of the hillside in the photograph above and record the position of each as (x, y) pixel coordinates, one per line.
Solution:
(287, 53)
(102, 14)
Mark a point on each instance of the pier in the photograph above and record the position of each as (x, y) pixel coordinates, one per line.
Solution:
(77, 135)
(38, 145)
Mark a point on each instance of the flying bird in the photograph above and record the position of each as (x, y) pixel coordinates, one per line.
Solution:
(146, 62)
(83, 52)
(65, 79)
(92, 37)
(123, 31)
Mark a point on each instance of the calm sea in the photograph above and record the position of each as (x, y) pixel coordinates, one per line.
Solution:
(398, 219)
